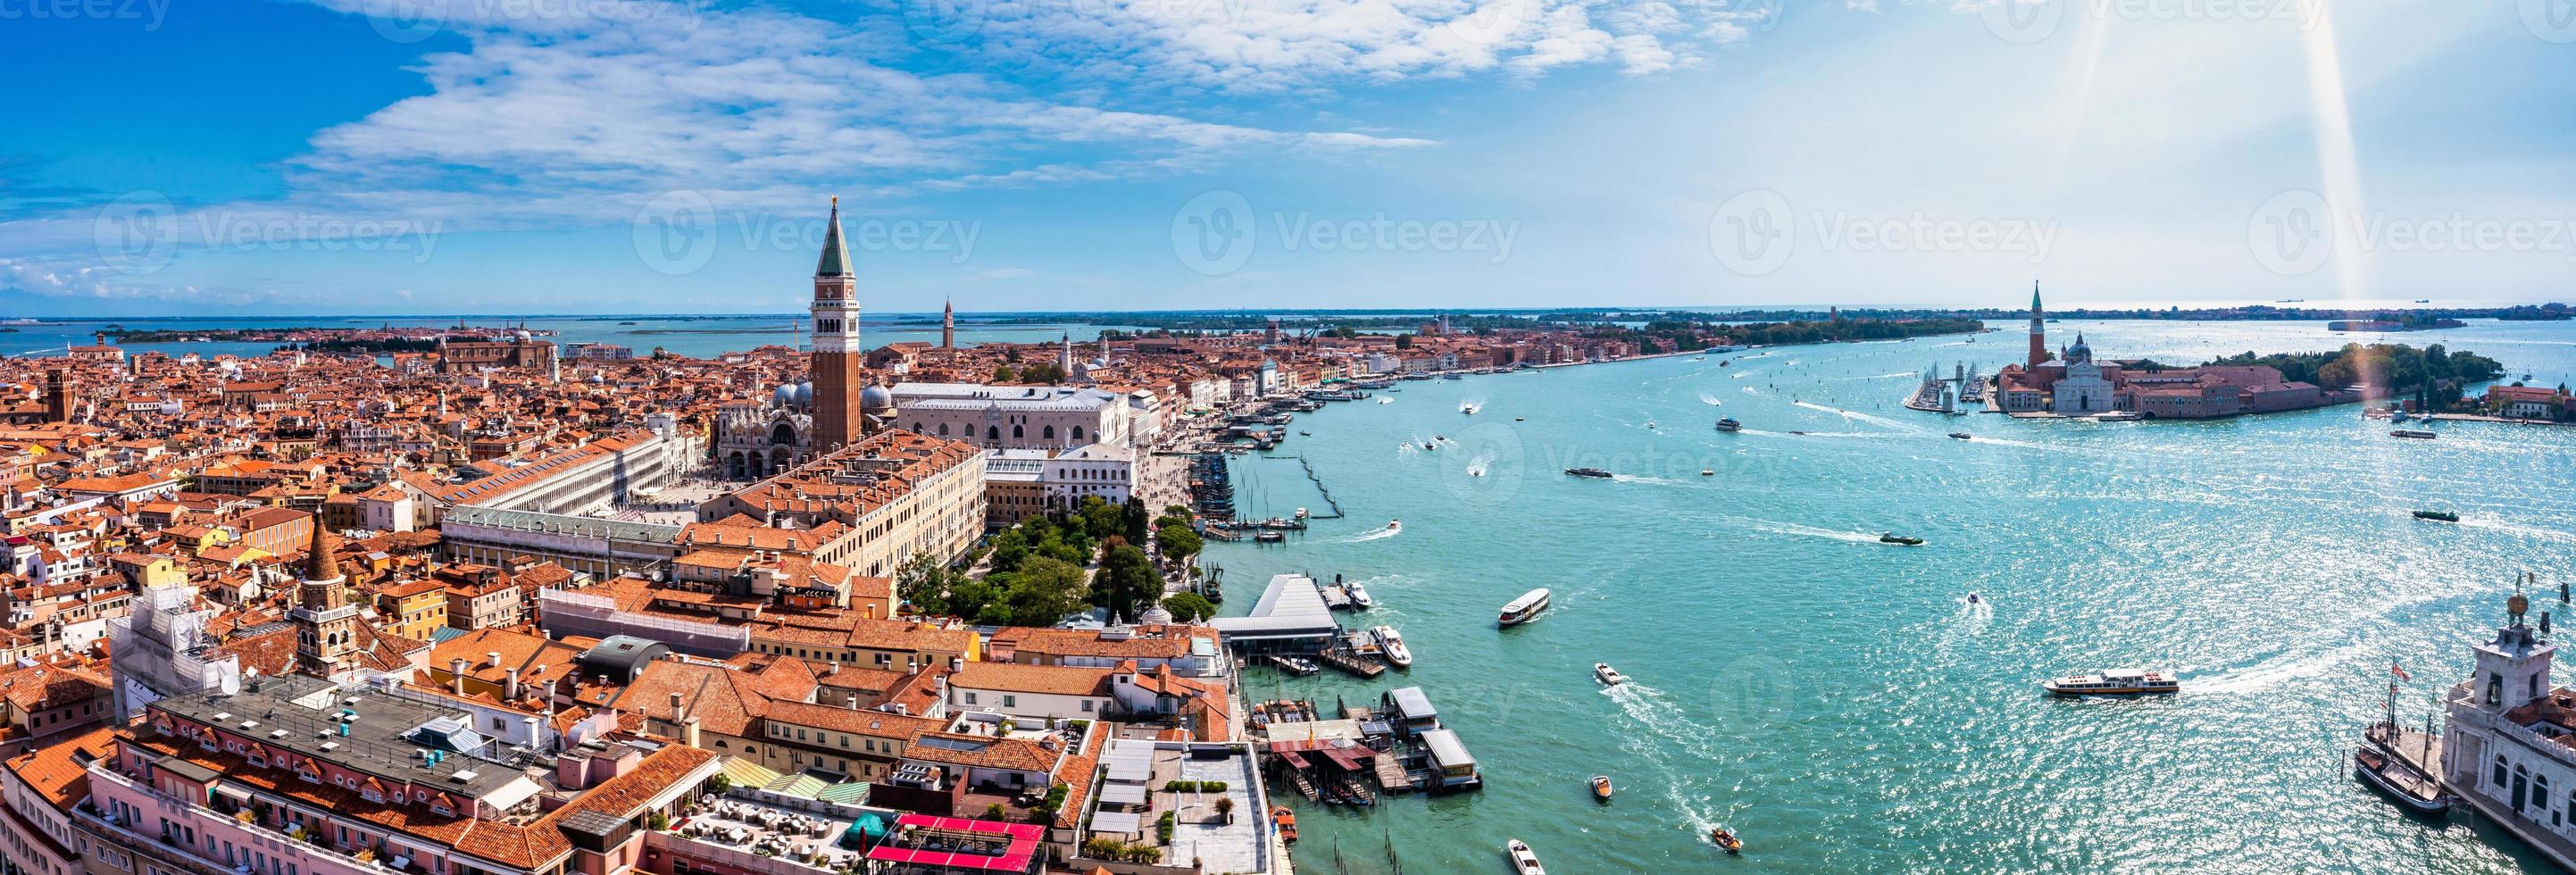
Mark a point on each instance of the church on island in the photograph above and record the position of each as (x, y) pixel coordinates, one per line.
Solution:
(2071, 383)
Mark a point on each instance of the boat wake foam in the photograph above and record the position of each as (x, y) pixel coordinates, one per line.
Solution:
(1872, 419)
(2533, 532)
(1377, 535)
(1640, 478)
(1813, 532)
(1746, 373)
(2281, 670)
(1710, 400)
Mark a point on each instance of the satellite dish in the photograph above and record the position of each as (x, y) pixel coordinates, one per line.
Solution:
(231, 683)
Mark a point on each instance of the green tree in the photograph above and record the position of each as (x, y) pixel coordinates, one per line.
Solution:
(1134, 522)
(1404, 341)
(1045, 592)
(1178, 542)
(1188, 607)
(1126, 584)
(1010, 548)
(1004, 374)
(922, 582)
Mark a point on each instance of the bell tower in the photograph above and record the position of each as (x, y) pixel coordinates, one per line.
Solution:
(326, 625)
(838, 362)
(2038, 329)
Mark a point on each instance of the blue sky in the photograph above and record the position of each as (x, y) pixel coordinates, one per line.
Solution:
(603, 156)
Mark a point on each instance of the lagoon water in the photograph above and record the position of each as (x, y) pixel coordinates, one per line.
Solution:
(1834, 700)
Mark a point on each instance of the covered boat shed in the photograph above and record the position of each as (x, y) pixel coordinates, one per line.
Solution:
(1290, 617)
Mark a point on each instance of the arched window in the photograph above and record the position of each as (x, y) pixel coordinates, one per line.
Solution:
(943, 429)
(785, 434)
(2499, 772)
(2521, 787)
(992, 432)
(1077, 432)
(1018, 432)
(1047, 433)
(2540, 796)
(2495, 690)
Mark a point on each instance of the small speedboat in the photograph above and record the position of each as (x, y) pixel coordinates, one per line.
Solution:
(1286, 822)
(1590, 472)
(1962, 435)
(1391, 645)
(1724, 839)
(1359, 596)
(1973, 598)
(1650, 424)
(1609, 676)
(2416, 433)
(1395, 525)
(1601, 787)
(1524, 860)
(2439, 516)
(1708, 472)
(1426, 445)
(1729, 424)
(1900, 540)
(1305, 434)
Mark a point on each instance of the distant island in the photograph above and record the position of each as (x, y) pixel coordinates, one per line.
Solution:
(1215, 321)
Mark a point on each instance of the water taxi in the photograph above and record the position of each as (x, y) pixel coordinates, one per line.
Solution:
(1286, 822)
(1601, 788)
(1719, 836)
(1525, 608)
(1524, 860)
(2439, 516)
(1963, 435)
(1973, 599)
(2416, 433)
(1470, 408)
(1359, 596)
(1899, 540)
(2114, 682)
(1590, 472)
(1391, 646)
(1729, 424)
(1610, 677)
(2119, 416)
(1298, 666)
(1395, 525)
(1708, 472)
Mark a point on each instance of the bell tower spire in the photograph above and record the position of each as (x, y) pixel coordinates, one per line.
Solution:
(2038, 329)
(326, 625)
(837, 361)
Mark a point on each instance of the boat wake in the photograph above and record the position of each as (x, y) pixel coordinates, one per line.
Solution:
(1710, 400)
(1746, 373)
(1476, 467)
(2278, 671)
(1640, 478)
(2533, 532)
(1654, 710)
(1813, 532)
(1881, 376)
(1872, 419)
(1377, 535)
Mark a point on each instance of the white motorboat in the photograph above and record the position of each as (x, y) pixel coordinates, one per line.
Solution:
(1391, 645)
(1395, 525)
(1359, 596)
(1524, 860)
(1610, 677)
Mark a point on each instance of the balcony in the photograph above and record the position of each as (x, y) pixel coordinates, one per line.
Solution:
(276, 843)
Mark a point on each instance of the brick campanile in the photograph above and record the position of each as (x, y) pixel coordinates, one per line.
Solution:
(2038, 329)
(838, 361)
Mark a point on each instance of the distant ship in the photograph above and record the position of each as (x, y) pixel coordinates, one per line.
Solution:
(1729, 424)
(1590, 472)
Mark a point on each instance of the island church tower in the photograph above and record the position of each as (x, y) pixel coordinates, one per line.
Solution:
(837, 361)
(2038, 330)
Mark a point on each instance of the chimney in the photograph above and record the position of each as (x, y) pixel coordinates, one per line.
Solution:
(456, 674)
(675, 707)
(492, 658)
(689, 734)
(510, 687)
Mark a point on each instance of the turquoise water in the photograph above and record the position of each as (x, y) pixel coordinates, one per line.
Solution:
(1833, 699)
